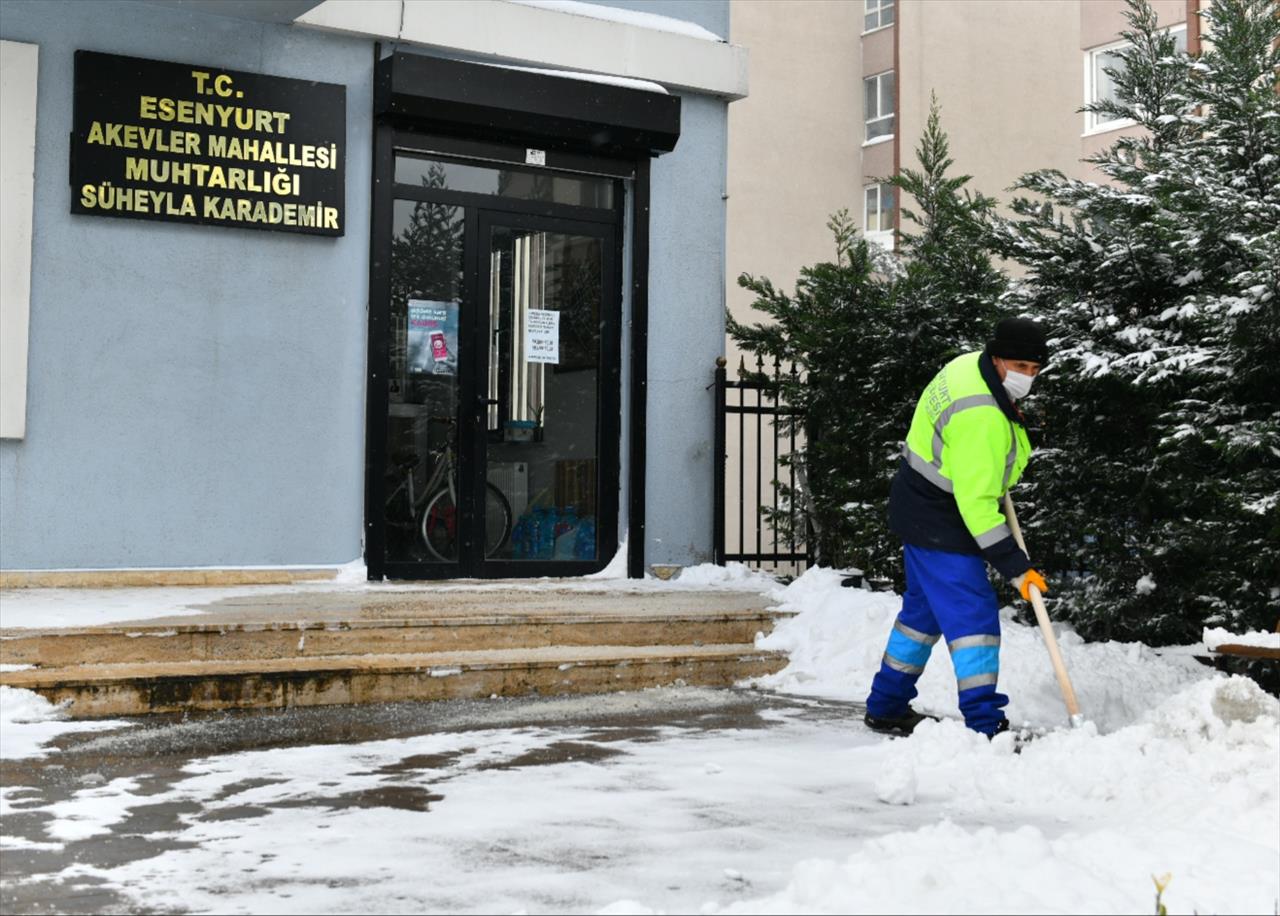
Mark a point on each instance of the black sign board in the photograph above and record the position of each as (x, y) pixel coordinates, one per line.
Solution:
(196, 144)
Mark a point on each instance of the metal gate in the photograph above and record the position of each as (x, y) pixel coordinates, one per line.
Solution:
(750, 474)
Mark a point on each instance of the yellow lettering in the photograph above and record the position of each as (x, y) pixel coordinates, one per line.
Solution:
(147, 106)
(95, 133)
(222, 85)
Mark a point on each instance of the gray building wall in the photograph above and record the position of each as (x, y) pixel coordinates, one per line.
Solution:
(686, 333)
(196, 393)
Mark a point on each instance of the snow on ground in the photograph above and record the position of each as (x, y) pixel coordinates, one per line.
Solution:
(28, 722)
(1077, 817)
(810, 813)
(837, 638)
(1177, 771)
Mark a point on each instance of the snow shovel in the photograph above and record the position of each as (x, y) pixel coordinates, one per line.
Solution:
(1042, 617)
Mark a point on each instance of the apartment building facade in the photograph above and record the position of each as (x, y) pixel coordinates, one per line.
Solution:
(841, 93)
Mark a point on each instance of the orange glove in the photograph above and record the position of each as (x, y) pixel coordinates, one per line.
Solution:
(1029, 578)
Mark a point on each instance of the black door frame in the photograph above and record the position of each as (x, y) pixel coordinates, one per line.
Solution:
(481, 211)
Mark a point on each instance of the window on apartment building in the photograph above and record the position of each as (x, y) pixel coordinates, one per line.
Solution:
(1099, 86)
(877, 213)
(879, 13)
(877, 94)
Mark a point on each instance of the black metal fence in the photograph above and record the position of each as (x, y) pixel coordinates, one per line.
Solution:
(751, 441)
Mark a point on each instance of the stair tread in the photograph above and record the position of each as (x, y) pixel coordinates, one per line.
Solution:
(539, 657)
(523, 618)
(443, 602)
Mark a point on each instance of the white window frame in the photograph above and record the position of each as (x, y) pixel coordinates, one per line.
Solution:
(19, 69)
(892, 116)
(877, 8)
(1091, 123)
(880, 236)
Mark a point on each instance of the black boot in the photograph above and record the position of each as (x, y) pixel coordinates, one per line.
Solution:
(904, 724)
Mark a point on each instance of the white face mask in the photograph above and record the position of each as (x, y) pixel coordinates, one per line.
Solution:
(1017, 384)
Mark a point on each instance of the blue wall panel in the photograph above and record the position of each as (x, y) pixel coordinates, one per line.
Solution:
(195, 394)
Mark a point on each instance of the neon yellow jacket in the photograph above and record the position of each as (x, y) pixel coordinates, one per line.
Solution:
(967, 440)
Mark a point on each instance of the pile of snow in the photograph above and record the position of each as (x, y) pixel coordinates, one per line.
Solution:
(837, 638)
(1075, 823)
(28, 722)
(732, 575)
(1217, 636)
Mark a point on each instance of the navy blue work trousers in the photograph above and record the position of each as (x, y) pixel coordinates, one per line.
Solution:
(947, 595)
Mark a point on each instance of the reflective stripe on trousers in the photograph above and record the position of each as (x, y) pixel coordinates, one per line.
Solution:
(908, 648)
(976, 660)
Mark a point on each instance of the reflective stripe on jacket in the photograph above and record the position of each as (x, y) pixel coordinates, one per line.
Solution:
(966, 447)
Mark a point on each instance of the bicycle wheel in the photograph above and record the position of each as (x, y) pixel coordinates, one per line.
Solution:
(439, 524)
(497, 520)
(439, 527)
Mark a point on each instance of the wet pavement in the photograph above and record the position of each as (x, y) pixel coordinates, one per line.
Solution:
(62, 872)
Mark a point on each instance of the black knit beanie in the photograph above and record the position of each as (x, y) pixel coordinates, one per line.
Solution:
(1019, 338)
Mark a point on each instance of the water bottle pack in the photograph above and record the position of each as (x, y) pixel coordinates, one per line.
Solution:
(548, 532)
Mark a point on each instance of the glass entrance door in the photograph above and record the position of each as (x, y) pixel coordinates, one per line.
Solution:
(496, 372)
(546, 285)
(428, 361)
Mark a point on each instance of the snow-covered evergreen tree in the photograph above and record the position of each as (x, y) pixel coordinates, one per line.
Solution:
(868, 332)
(1156, 480)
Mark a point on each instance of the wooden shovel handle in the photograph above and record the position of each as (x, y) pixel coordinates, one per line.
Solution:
(1046, 628)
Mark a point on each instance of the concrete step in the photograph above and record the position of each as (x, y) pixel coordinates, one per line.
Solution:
(277, 639)
(96, 690)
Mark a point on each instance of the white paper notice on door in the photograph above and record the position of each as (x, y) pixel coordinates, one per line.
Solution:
(542, 336)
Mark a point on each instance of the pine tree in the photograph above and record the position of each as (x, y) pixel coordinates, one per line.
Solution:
(868, 333)
(1155, 485)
